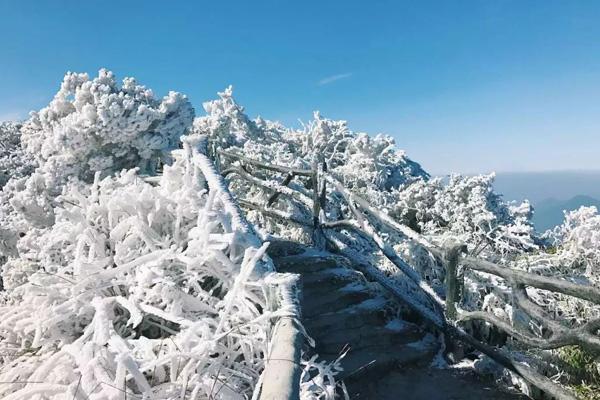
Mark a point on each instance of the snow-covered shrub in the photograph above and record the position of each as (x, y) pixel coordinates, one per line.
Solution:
(98, 125)
(318, 379)
(15, 166)
(91, 125)
(359, 160)
(577, 242)
(575, 256)
(139, 289)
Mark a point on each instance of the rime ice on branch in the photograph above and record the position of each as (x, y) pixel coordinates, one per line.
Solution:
(139, 288)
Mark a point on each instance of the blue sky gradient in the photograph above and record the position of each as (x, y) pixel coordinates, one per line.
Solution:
(463, 86)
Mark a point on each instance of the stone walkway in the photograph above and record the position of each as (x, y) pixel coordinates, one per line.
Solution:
(387, 357)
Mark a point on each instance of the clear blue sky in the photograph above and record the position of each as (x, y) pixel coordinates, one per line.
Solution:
(463, 86)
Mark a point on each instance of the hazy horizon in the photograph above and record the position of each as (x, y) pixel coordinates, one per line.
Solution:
(537, 186)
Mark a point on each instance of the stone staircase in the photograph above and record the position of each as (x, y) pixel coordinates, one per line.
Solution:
(343, 312)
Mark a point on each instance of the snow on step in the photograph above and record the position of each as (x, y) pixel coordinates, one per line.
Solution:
(340, 311)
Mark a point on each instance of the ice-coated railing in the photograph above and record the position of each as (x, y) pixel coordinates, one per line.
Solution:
(280, 380)
(443, 314)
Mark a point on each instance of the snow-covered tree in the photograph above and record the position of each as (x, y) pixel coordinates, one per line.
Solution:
(98, 125)
(91, 125)
(467, 209)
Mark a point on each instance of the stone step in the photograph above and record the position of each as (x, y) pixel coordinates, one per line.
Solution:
(342, 314)
(334, 300)
(376, 360)
(369, 312)
(282, 248)
(306, 263)
(321, 286)
(368, 336)
(337, 275)
(430, 384)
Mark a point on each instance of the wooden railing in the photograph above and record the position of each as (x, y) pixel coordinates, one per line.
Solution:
(445, 315)
(281, 376)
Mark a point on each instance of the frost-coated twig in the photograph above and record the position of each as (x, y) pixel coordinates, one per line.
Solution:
(216, 183)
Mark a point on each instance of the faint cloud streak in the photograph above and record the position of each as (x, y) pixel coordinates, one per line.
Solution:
(333, 78)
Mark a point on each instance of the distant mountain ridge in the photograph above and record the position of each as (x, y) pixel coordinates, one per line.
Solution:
(549, 212)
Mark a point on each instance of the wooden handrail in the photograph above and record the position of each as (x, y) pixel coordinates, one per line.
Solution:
(319, 191)
(452, 257)
(280, 379)
(281, 376)
(275, 213)
(452, 284)
(272, 186)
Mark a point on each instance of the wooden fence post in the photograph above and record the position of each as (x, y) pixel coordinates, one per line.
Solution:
(323, 188)
(452, 257)
(318, 201)
(283, 369)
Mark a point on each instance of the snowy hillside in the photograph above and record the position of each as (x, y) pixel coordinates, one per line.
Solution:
(129, 267)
